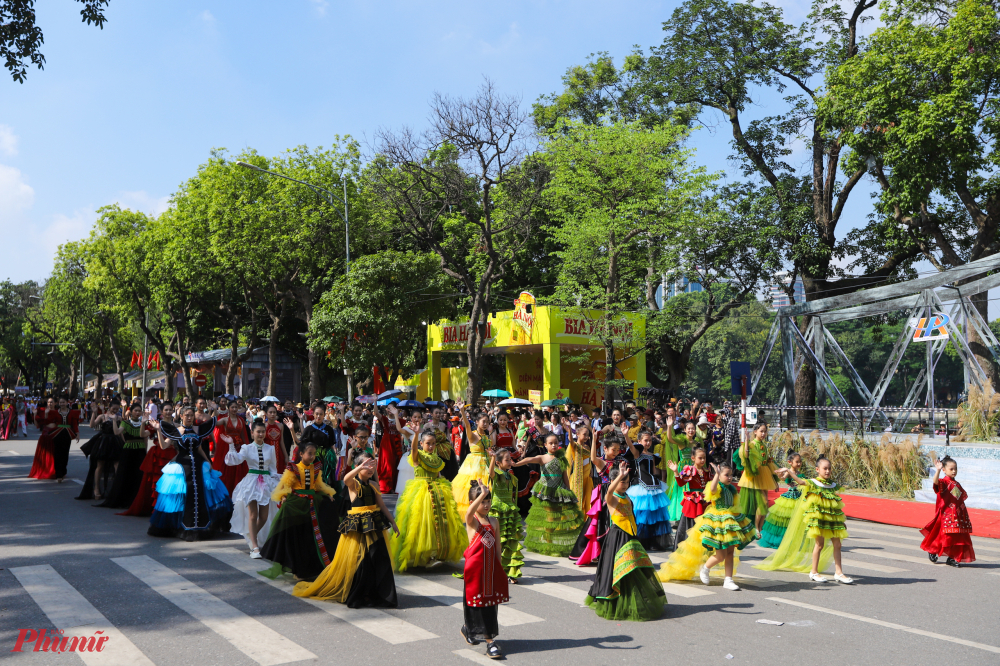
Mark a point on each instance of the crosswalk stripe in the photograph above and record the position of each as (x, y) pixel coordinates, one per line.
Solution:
(887, 556)
(891, 544)
(557, 590)
(506, 616)
(69, 611)
(977, 545)
(377, 623)
(888, 625)
(254, 639)
(686, 590)
(473, 656)
(858, 564)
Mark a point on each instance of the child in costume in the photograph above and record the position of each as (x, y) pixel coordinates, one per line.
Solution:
(588, 544)
(818, 516)
(485, 582)
(303, 535)
(948, 535)
(716, 536)
(152, 469)
(625, 585)
(677, 447)
(554, 519)
(759, 476)
(474, 466)
(361, 572)
(693, 478)
(581, 478)
(429, 521)
(779, 514)
(650, 504)
(252, 494)
(503, 507)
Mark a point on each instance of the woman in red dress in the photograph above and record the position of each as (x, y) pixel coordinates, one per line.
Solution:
(485, 578)
(230, 434)
(390, 449)
(43, 466)
(152, 468)
(274, 435)
(948, 535)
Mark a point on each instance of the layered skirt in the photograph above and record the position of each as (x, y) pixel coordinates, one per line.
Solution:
(588, 543)
(652, 511)
(253, 488)
(430, 528)
(553, 522)
(510, 533)
(303, 536)
(625, 586)
(152, 469)
(191, 502)
(474, 468)
(777, 518)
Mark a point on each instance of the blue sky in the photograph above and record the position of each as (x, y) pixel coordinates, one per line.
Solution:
(127, 113)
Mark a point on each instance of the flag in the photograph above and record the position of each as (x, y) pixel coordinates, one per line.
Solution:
(379, 386)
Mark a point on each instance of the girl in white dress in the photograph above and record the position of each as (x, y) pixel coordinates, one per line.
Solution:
(252, 496)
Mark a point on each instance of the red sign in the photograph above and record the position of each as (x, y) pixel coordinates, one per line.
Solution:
(200, 381)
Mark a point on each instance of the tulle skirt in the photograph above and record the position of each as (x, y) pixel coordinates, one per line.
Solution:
(690, 556)
(777, 519)
(429, 525)
(652, 511)
(474, 467)
(181, 509)
(253, 488)
(102, 446)
(796, 548)
(675, 494)
(511, 532)
(588, 543)
(152, 469)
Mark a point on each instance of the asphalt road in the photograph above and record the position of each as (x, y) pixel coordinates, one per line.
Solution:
(68, 564)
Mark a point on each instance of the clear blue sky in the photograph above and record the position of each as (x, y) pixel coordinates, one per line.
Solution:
(127, 113)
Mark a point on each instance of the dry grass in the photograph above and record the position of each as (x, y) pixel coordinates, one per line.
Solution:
(883, 466)
(979, 416)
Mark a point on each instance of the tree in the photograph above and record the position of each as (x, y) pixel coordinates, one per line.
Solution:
(922, 98)
(716, 55)
(374, 315)
(16, 352)
(465, 191)
(21, 36)
(614, 190)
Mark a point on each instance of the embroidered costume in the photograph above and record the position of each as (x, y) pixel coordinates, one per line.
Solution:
(758, 477)
(390, 450)
(679, 451)
(694, 504)
(361, 572)
(473, 468)
(554, 519)
(949, 534)
(588, 544)
(52, 450)
(625, 585)
(485, 584)
(303, 535)
(429, 525)
(259, 483)
(819, 512)
(778, 516)
(650, 504)
(152, 469)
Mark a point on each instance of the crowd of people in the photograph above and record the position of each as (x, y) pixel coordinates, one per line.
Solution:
(305, 487)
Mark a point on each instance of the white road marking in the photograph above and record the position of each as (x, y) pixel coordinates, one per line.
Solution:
(977, 545)
(858, 564)
(254, 639)
(889, 625)
(557, 590)
(506, 616)
(68, 610)
(474, 656)
(688, 591)
(890, 544)
(559, 562)
(77, 481)
(375, 622)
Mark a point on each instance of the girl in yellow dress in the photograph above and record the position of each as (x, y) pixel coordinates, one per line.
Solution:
(818, 516)
(361, 572)
(432, 531)
(581, 478)
(476, 464)
(716, 536)
(759, 476)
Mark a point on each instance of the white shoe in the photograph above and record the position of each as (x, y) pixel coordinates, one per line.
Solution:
(255, 554)
(817, 578)
(703, 574)
(846, 580)
(730, 585)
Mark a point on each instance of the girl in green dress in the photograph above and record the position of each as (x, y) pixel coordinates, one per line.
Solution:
(503, 486)
(555, 518)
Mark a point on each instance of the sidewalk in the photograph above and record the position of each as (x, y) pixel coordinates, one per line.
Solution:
(910, 514)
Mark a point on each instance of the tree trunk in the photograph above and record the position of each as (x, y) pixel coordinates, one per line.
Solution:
(272, 356)
(805, 384)
(677, 364)
(72, 381)
(609, 374)
(170, 379)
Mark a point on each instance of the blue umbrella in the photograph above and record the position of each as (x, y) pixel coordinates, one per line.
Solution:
(410, 403)
(390, 401)
(391, 393)
(434, 403)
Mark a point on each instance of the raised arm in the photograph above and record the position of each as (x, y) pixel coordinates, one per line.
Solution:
(471, 519)
(609, 496)
(598, 462)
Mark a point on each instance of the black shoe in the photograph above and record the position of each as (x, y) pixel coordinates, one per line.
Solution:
(932, 557)
(493, 651)
(952, 563)
(468, 639)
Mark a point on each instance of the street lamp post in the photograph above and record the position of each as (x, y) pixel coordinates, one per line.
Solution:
(330, 197)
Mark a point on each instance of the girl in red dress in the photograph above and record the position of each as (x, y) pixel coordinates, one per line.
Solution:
(230, 435)
(390, 449)
(274, 435)
(695, 477)
(948, 535)
(485, 578)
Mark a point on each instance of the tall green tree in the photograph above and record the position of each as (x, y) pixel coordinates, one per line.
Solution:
(21, 36)
(615, 189)
(374, 316)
